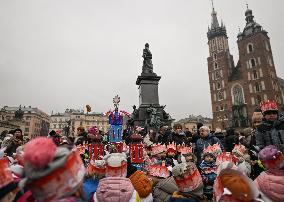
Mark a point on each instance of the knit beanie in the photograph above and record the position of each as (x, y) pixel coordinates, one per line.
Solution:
(233, 185)
(116, 165)
(141, 184)
(187, 177)
(51, 172)
(271, 157)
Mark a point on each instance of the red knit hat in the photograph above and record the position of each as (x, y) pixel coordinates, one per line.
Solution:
(51, 172)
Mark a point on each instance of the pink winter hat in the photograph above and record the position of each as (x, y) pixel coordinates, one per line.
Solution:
(268, 152)
(271, 157)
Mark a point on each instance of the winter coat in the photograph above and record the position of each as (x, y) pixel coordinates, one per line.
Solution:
(113, 189)
(90, 186)
(164, 190)
(229, 142)
(205, 142)
(271, 133)
(271, 184)
(208, 173)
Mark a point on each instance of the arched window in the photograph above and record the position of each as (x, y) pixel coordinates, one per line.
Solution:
(219, 85)
(257, 87)
(215, 56)
(237, 93)
(255, 76)
(220, 95)
(217, 75)
(215, 65)
(252, 62)
(250, 48)
(258, 99)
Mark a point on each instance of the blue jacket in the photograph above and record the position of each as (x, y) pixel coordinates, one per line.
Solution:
(208, 174)
(205, 142)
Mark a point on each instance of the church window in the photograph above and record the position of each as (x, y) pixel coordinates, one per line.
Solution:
(257, 87)
(250, 48)
(238, 96)
(252, 62)
(220, 95)
(219, 85)
(215, 65)
(215, 56)
(254, 73)
(217, 75)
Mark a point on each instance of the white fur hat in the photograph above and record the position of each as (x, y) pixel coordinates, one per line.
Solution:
(116, 165)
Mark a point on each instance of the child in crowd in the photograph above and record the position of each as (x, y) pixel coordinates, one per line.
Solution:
(208, 169)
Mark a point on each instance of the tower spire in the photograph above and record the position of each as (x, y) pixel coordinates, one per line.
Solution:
(212, 4)
(215, 23)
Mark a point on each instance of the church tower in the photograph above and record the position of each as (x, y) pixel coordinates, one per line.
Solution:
(256, 61)
(220, 65)
(236, 91)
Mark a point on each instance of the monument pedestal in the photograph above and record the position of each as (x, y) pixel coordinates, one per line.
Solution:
(150, 114)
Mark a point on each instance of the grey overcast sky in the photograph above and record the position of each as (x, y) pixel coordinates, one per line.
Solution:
(58, 54)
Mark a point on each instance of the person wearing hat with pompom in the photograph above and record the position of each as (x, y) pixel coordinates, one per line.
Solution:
(270, 183)
(52, 173)
(116, 187)
(271, 130)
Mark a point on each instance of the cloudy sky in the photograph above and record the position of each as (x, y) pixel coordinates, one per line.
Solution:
(58, 54)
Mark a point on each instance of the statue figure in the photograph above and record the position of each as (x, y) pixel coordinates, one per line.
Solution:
(147, 62)
(19, 114)
(155, 119)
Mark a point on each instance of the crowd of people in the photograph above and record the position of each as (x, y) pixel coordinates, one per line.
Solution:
(171, 164)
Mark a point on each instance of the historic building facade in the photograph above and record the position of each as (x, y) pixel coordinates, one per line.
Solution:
(33, 121)
(190, 123)
(236, 90)
(81, 119)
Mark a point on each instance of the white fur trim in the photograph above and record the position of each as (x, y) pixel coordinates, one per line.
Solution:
(115, 159)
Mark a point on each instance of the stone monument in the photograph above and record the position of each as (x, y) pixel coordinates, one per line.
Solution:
(150, 114)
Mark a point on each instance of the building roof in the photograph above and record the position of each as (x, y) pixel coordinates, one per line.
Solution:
(24, 109)
(195, 119)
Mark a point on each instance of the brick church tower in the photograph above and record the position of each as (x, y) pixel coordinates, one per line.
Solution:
(237, 90)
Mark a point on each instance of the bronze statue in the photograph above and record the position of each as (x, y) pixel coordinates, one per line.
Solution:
(147, 63)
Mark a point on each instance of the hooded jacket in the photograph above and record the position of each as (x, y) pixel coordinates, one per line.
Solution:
(271, 184)
(271, 133)
(164, 190)
(113, 189)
